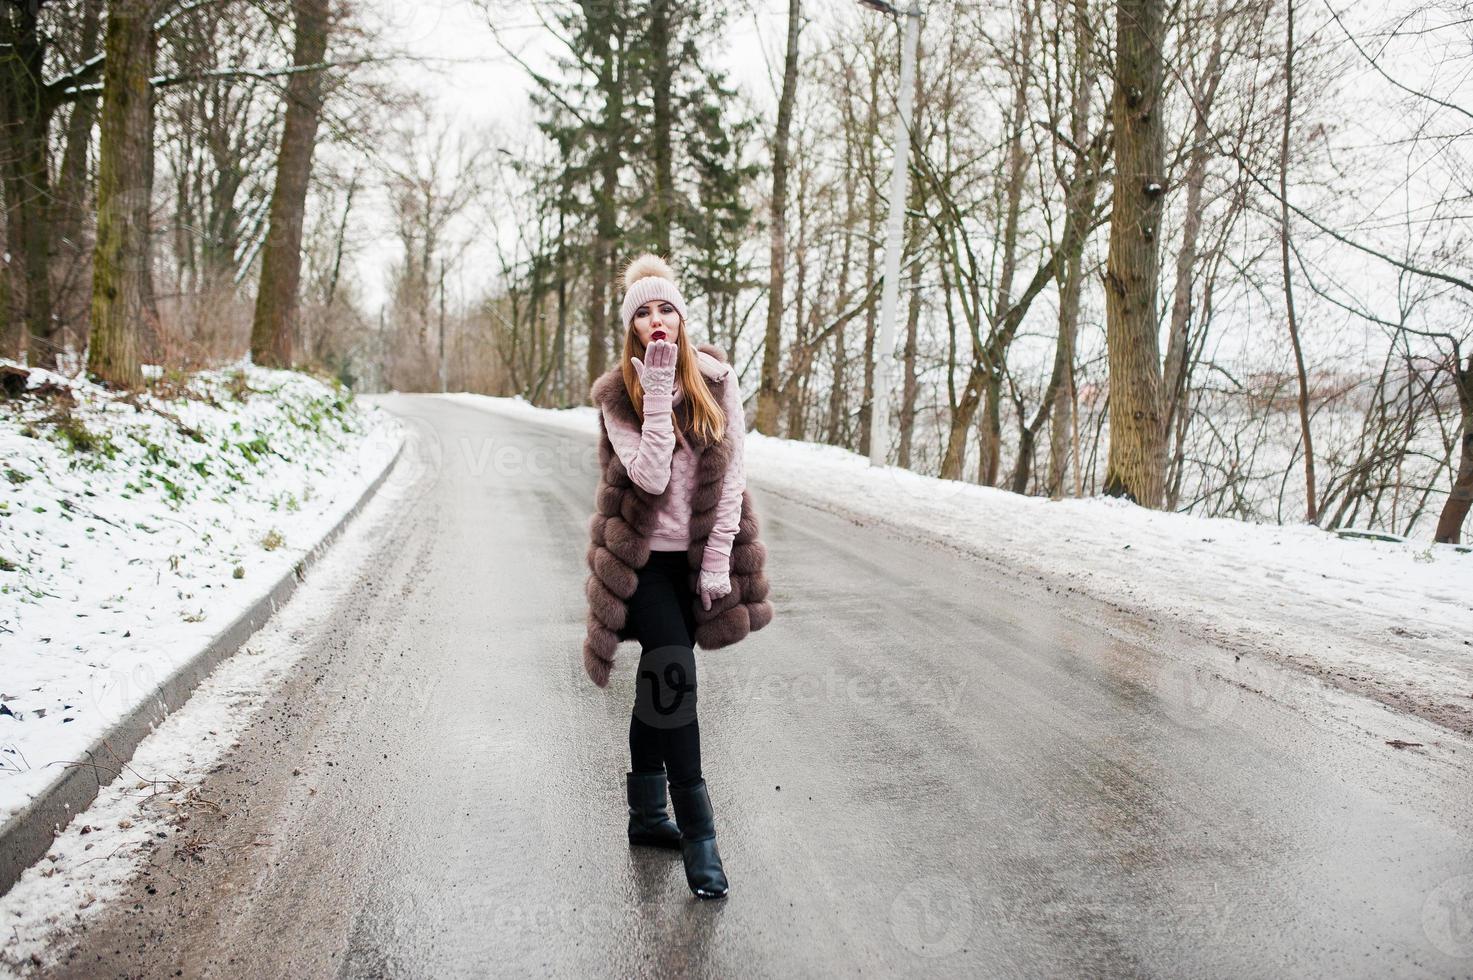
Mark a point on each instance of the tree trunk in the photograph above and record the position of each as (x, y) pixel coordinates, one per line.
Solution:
(800, 358)
(69, 207)
(10, 335)
(767, 391)
(871, 268)
(1455, 511)
(119, 264)
(989, 431)
(25, 117)
(1058, 400)
(909, 387)
(1135, 465)
(983, 375)
(837, 427)
(961, 422)
(560, 345)
(603, 317)
(1062, 399)
(663, 69)
(340, 243)
(1310, 513)
(1178, 344)
(274, 330)
(150, 335)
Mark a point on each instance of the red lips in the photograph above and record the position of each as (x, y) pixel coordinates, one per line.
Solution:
(658, 335)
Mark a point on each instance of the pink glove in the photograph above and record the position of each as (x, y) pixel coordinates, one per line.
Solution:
(713, 585)
(658, 376)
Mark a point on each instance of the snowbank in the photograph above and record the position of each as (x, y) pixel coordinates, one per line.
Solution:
(1390, 619)
(135, 820)
(132, 529)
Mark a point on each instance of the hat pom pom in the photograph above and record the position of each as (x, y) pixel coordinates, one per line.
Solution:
(647, 265)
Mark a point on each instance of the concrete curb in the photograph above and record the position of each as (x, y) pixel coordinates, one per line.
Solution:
(25, 837)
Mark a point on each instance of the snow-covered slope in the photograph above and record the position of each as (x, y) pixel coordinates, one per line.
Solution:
(1390, 619)
(133, 528)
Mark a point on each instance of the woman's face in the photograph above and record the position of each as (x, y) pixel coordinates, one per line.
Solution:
(657, 315)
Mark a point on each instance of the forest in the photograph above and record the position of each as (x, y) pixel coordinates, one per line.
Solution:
(1210, 256)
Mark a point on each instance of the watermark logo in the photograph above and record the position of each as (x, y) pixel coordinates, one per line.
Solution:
(564, 457)
(115, 692)
(864, 689)
(1194, 697)
(1447, 916)
(421, 460)
(665, 687)
(932, 917)
(409, 23)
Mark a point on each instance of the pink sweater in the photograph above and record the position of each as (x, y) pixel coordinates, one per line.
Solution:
(655, 461)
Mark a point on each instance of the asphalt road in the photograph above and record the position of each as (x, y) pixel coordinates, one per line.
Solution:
(927, 764)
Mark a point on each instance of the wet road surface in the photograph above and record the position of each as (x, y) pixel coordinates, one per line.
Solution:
(926, 765)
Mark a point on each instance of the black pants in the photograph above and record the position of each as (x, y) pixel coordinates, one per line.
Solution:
(664, 734)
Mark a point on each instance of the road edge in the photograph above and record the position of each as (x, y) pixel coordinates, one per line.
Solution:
(25, 837)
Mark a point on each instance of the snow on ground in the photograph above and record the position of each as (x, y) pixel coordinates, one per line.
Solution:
(1392, 619)
(133, 530)
(145, 814)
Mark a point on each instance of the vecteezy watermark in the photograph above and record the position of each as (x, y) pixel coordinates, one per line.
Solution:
(555, 918)
(415, 687)
(862, 688)
(1447, 916)
(1211, 691)
(665, 687)
(116, 691)
(422, 457)
(409, 23)
(932, 917)
(565, 457)
(1195, 697)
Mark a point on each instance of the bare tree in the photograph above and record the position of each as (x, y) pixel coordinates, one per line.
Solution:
(1079, 163)
(1292, 319)
(769, 386)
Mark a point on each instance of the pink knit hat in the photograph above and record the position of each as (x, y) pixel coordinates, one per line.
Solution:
(649, 278)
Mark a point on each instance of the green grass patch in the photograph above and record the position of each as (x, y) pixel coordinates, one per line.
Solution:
(72, 433)
(254, 450)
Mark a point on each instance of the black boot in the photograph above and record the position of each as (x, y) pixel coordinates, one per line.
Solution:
(649, 824)
(703, 870)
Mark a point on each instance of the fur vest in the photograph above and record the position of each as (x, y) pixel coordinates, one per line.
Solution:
(620, 528)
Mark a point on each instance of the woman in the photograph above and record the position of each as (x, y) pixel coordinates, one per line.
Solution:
(675, 558)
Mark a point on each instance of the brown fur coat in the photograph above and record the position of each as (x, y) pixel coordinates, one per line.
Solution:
(620, 529)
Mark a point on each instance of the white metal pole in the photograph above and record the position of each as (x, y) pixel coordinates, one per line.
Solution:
(879, 438)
